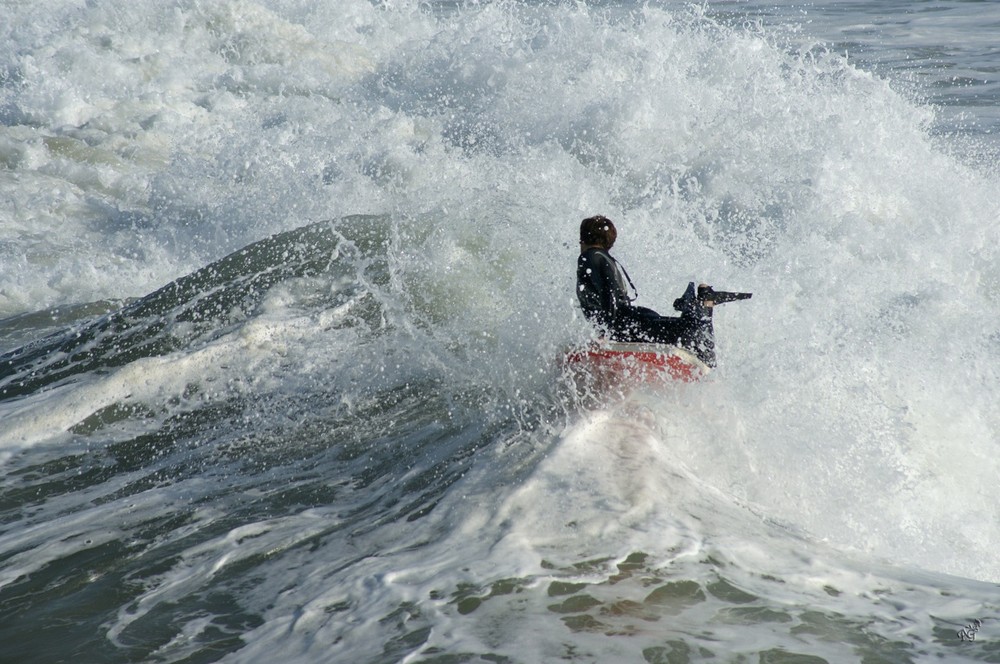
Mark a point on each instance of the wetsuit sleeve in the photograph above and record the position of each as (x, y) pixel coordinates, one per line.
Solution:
(597, 288)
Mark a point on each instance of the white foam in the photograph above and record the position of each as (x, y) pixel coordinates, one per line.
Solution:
(145, 140)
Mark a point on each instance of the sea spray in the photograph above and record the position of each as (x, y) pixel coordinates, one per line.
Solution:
(286, 287)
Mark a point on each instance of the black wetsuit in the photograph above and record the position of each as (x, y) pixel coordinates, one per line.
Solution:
(600, 286)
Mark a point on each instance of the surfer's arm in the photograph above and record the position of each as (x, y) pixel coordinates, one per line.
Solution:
(596, 285)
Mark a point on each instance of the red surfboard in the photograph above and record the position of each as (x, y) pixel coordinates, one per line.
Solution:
(636, 361)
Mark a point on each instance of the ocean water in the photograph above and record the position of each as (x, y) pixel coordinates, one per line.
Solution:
(284, 286)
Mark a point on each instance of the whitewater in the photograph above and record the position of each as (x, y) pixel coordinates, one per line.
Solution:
(284, 286)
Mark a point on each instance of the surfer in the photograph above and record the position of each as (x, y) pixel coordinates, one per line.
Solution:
(604, 297)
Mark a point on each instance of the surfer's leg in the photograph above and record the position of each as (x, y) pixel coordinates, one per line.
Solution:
(693, 330)
(698, 336)
(653, 328)
(693, 333)
(698, 333)
(637, 324)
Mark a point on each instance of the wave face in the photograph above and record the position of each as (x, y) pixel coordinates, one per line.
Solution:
(285, 284)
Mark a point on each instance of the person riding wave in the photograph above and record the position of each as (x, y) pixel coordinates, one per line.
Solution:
(603, 291)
